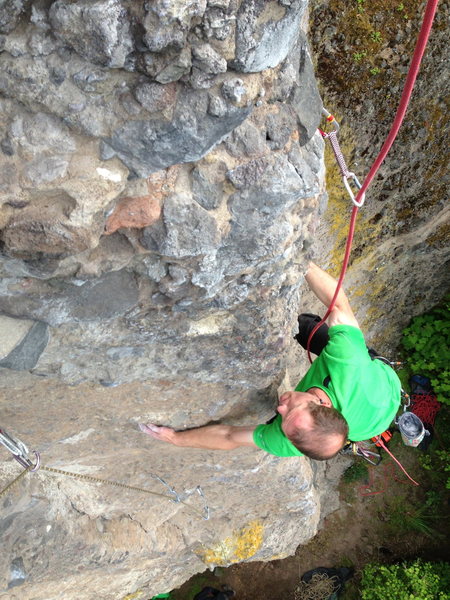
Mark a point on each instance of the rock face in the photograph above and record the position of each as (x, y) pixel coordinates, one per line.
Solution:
(400, 259)
(162, 180)
(144, 202)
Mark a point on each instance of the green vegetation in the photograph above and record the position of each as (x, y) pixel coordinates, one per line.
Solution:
(426, 345)
(356, 471)
(376, 37)
(358, 56)
(375, 71)
(401, 9)
(407, 581)
(405, 516)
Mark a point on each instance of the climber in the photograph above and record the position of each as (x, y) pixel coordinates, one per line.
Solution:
(347, 393)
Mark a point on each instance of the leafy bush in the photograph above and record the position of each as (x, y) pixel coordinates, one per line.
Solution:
(415, 580)
(426, 342)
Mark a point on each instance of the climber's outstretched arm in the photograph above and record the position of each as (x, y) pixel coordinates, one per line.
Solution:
(210, 437)
(324, 287)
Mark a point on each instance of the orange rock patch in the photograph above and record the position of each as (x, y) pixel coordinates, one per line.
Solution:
(138, 212)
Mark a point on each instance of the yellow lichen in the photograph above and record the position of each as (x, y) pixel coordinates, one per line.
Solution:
(133, 595)
(243, 544)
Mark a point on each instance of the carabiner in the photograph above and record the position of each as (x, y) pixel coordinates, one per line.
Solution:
(19, 451)
(355, 180)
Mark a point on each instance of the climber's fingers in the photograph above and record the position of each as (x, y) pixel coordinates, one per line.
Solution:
(164, 434)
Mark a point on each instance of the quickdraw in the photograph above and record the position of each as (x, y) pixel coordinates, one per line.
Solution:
(347, 175)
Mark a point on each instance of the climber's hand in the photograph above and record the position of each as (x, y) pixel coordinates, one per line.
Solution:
(164, 434)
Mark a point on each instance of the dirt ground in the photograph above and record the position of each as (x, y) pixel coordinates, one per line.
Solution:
(380, 519)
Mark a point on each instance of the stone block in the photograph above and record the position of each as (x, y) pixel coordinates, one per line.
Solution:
(24, 343)
(265, 33)
(98, 31)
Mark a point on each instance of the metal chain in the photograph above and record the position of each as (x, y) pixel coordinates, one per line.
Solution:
(92, 479)
(20, 453)
(14, 482)
(203, 514)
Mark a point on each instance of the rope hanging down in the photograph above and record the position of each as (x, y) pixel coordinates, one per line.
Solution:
(419, 50)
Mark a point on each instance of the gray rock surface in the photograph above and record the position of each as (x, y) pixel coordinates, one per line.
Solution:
(155, 208)
(162, 184)
(25, 354)
(265, 33)
(146, 543)
(98, 31)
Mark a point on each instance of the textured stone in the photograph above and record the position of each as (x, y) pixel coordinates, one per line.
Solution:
(10, 12)
(129, 533)
(247, 140)
(176, 68)
(154, 96)
(200, 237)
(208, 185)
(208, 60)
(26, 353)
(138, 212)
(306, 99)
(148, 146)
(33, 231)
(167, 23)
(46, 169)
(109, 296)
(35, 133)
(279, 127)
(265, 33)
(12, 332)
(98, 31)
(235, 91)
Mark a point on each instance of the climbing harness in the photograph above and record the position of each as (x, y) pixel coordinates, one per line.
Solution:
(20, 453)
(411, 429)
(419, 50)
(362, 449)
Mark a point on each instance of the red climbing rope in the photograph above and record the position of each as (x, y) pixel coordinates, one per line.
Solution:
(419, 50)
(426, 407)
(383, 445)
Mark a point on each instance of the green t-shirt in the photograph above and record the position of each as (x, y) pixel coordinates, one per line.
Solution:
(365, 391)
